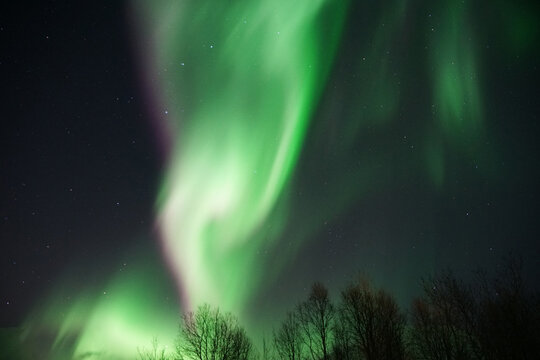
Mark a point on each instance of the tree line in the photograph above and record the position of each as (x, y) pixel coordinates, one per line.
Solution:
(495, 317)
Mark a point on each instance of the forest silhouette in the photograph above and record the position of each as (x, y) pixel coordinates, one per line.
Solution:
(489, 317)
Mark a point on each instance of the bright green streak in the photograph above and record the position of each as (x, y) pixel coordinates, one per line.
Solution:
(238, 110)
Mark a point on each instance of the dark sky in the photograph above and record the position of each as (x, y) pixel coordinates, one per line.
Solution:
(80, 167)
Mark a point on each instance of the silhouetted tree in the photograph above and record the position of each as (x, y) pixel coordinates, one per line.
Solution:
(288, 339)
(316, 316)
(494, 318)
(444, 320)
(208, 334)
(374, 322)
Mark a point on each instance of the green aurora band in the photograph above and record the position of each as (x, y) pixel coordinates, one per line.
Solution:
(237, 85)
(240, 83)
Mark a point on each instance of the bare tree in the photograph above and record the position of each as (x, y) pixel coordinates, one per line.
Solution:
(374, 322)
(316, 316)
(444, 321)
(288, 340)
(208, 334)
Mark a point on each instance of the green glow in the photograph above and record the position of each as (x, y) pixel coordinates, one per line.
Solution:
(457, 105)
(109, 322)
(456, 90)
(240, 82)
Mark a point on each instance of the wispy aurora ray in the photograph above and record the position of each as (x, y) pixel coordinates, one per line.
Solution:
(457, 105)
(239, 83)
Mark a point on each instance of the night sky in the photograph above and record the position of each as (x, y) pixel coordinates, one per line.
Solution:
(233, 153)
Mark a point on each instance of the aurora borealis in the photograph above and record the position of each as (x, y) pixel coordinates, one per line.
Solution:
(259, 77)
(233, 152)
